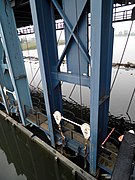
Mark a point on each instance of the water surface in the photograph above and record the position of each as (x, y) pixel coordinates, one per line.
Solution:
(124, 85)
(23, 159)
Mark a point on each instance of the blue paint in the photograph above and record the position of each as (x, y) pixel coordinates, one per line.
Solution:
(44, 23)
(75, 50)
(14, 59)
(75, 16)
(70, 29)
(101, 59)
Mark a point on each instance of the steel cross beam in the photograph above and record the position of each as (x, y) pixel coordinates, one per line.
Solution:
(14, 58)
(101, 57)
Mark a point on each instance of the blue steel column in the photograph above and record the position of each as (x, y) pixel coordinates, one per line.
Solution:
(101, 61)
(14, 58)
(5, 81)
(44, 24)
(2, 84)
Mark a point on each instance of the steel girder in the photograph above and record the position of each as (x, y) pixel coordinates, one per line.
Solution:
(95, 71)
(13, 74)
(101, 60)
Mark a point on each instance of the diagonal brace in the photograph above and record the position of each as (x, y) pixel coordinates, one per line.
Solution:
(69, 39)
(71, 29)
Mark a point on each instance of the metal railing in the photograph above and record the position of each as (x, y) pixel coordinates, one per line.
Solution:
(36, 117)
(118, 16)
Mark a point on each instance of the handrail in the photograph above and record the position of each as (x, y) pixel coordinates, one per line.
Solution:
(118, 16)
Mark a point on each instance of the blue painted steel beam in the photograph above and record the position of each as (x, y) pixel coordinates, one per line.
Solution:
(71, 34)
(107, 35)
(5, 81)
(2, 81)
(2, 85)
(44, 24)
(101, 60)
(14, 59)
(5, 101)
(71, 78)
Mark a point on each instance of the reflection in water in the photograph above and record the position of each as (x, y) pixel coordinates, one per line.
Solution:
(7, 169)
(22, 158)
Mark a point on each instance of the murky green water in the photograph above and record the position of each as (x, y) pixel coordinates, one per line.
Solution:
(22, 158)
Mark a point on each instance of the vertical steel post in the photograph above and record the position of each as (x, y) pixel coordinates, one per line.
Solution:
(5, 80)
(14, 58)
(44, 24)
(2, 84)
(101, 61)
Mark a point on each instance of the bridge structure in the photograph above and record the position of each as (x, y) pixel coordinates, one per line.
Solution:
(85, 67)
(120, 14)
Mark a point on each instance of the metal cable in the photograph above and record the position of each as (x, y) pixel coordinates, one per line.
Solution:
(118, 71)
(39, 67)
(130, 104)
(72, 92)
(34, 75)
(121, 57)
(79, 63)
(39, 83)
(29, 56)
(59, 38)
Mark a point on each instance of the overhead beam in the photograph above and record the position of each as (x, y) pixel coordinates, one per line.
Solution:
(70, 78)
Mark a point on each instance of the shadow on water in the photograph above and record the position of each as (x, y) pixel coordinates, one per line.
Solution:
(22, 158)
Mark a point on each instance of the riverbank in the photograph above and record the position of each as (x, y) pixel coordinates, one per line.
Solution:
(31, 45)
